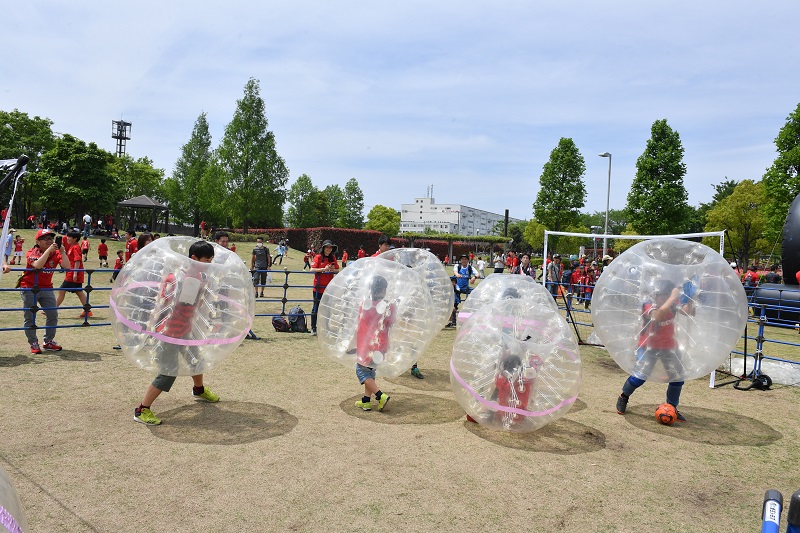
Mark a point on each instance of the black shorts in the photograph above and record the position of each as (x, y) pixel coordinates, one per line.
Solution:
(71, 286)
(103, 258)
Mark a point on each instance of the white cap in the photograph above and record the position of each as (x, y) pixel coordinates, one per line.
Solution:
(733, 264)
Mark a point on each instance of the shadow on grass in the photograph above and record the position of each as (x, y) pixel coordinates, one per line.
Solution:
(562, 437)
(17, 360)
(407, 409)
(49, 357)
(433, 380)
(705, 426)
(223, 423)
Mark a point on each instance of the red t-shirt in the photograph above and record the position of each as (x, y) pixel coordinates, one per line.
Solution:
(321, 279)
(131, 247)
(178, 324)
(344, 257)
(657, 335)
(75, 261)
(373, 330)
(45, 278)
(750, 278)
(118, 264)
(18, 245)
(85, 245)
(102, 249)
(361, 253)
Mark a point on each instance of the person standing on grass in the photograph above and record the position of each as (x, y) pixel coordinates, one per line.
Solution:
(45, 254)
(324, 266)
(260, 262)
(73, 280)
(178, 324)
(131, 245)
(657, 343)
(102, 253)
(375, 317)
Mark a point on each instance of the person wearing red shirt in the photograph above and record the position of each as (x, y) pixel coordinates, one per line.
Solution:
(657, 343)
(361, 253)
(120, 262)
(85, 248)
(73, 280)
(324, 267)
(18, 242)
(750, 278)
(179, 300)
(131, 245)
(102, 253)
(383, 245)
(44, 255)
(375, 317)
(345, 257)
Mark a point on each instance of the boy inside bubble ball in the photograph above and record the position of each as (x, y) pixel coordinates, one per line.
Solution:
(179, 301)
(375, 317)
(657, 342)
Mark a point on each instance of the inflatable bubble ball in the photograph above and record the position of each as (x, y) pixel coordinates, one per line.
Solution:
(433, 275)
(516, 366)
(12, 518)
(669, 310)
(378, 313)
(177, 316)
(496, 287)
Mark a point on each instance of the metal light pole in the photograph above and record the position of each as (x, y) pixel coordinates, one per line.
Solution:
(608, 197)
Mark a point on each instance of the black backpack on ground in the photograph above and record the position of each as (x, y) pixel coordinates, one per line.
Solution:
(297, 320)
(280, 324)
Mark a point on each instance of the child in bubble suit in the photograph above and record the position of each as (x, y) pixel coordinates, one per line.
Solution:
(180, 300)
(375, 317)
(657, 341)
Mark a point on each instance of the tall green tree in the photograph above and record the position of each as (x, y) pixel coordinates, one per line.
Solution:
(781, 181)
(136, 177)
(304, 200)
(183, 190)
(722, 191)
(20, 134)
(384, 219)
(256, 174)
(76, 178)
(562, 192)
(658, 201)
(335, 198)
(353, 211)
(741, 213)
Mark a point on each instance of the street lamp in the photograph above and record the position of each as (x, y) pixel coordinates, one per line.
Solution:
(608, 197)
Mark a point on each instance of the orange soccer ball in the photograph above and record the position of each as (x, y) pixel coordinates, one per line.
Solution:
(666, 414)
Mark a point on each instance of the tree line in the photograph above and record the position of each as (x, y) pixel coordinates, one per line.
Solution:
(751, 211)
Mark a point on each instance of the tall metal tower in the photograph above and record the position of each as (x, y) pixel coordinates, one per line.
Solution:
(121, 131)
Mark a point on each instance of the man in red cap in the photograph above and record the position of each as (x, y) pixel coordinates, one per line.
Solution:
(46, 255)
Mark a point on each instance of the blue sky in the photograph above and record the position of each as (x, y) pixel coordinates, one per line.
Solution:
(468, 97)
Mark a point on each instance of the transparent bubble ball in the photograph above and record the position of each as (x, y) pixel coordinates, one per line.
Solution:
(12, 516)
(433, 274)
(704, 299)
(516, 365)
(387, 330)
(177, 316)
(498, 287)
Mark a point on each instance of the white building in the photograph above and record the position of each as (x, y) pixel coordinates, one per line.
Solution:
(449, 218)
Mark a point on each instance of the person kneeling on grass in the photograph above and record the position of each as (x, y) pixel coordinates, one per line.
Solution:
(178, 324)
(375, 317)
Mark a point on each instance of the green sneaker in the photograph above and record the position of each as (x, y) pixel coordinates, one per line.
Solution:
(146, 416)
(416, 373)
(383, 401)
(207, 395)
(366, 406)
